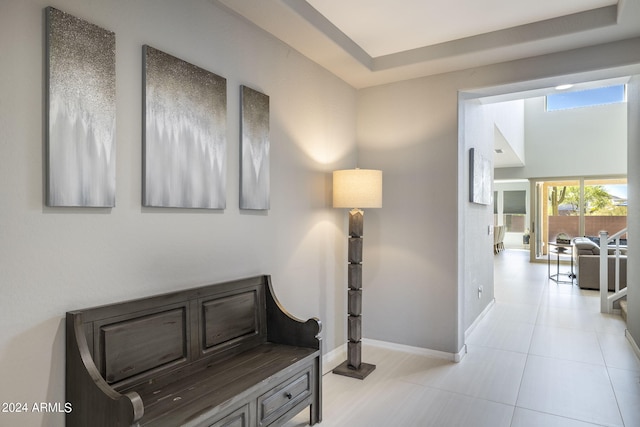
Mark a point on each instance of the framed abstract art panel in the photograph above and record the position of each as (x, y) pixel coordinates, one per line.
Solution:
(184, 134)
(255, 147)
(80, 112)
(479, 178)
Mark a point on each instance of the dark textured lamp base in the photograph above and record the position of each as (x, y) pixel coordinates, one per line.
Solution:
(348, 371)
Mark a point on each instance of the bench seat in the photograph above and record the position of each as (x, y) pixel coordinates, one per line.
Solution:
(221, 384)
(219, 355)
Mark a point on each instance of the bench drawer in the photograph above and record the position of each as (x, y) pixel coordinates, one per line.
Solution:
(238, 418)
(285, 396)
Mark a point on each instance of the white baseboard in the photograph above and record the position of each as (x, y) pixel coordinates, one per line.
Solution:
(479, 318)
(633, 343)
(454, 357)
(333, 358)
(339, 354)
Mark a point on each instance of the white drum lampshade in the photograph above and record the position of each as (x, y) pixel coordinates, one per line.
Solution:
(357, 188)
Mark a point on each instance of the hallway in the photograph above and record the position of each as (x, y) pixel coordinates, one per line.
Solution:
(542, 356)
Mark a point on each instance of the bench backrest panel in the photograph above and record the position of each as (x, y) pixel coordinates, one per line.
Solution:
(143, 343)
(133, 341)
(232, 321)
(230, 318)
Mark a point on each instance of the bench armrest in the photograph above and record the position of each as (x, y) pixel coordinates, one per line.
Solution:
(86, 390)
(284, 328)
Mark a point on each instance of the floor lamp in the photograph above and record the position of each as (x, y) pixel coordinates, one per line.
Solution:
(356, 188)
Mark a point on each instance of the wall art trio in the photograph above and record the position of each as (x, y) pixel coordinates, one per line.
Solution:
(184, 126)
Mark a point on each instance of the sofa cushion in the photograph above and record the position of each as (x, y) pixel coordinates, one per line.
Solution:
(585, 246)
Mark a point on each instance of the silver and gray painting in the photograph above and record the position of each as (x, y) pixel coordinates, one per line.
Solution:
(185, 134)
(254, 188)
(81, 112)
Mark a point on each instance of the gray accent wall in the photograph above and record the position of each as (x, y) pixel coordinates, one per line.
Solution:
(58, 259)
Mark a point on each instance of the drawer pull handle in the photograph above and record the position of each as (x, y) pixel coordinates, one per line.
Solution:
(288, 395)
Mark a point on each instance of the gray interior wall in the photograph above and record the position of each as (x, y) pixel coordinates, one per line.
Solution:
(53, 260)
(57, 259)
(476, 238)
(633, 221)
(409, 130)
(415, 291)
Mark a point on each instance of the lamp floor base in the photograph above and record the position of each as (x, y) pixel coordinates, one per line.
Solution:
(348, 371)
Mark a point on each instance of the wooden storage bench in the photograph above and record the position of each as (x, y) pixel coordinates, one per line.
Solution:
(219, 355)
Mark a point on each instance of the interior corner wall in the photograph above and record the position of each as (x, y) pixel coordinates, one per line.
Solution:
(57, 259)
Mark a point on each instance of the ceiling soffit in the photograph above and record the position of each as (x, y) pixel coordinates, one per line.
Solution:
(298, 24)
(549, 28)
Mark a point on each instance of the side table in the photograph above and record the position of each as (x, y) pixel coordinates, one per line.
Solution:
(559, 249)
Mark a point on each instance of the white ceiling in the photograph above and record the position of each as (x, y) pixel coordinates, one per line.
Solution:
(387, 27)
(371, 42)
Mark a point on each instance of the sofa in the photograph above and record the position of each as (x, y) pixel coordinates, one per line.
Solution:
(586, 257)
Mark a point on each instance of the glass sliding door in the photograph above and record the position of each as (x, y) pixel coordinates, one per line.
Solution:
(561, 211)
(605, 206)
(577, 207)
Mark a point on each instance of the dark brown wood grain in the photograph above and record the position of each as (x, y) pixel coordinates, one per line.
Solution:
(198, 357)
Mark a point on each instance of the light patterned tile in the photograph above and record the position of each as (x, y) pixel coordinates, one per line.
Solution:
(504, 312)
(525, 367)
(625, 381)
(568, 344)
(527, 418)
(626, 385)
(437, 408)
(618, 352)
(629, 408)
(567, 318)
(484, 373)
(510, 336)
(569, 389)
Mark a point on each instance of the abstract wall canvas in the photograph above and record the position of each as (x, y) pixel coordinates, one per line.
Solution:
(479, 178)
(81, 112)
(185, 134)
(255, 145)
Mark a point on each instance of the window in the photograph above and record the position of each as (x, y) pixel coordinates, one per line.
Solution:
(515, 202)
(586, 98)
(514, 210)
(580, 207)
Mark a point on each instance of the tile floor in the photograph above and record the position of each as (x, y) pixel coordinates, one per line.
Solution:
(542, 357)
